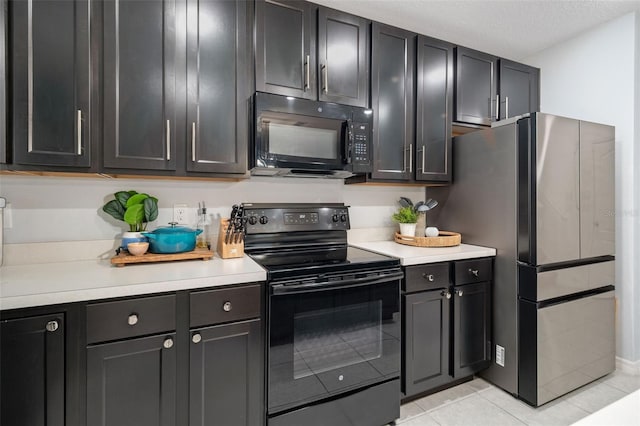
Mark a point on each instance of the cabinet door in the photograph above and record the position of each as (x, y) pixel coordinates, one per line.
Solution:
(50, 82)
(218, 49)
(226, 375)
(476, 87)
(285, 48)
(343, 58)
(132, 382)
(434, 110)
(519, 89)
(472, 328)
(139, 84)
(426, 351)
(32, 383)
(393, 102)
(3, 83)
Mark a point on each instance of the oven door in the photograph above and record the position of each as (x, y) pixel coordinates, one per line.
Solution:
(332, 338)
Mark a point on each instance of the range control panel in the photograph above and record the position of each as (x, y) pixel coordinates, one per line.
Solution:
(270, 218)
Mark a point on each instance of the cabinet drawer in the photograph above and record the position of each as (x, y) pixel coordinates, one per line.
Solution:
(473, 271)
(426, 277)
(130, 318)
(224, 305)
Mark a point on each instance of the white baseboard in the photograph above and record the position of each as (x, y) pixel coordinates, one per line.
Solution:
(628, 367)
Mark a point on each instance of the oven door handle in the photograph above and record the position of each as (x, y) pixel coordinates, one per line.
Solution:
(278, 289)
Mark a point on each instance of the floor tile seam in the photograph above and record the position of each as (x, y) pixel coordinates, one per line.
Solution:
(620, 388)
(445, 404)
(521, 420)
(424, 413)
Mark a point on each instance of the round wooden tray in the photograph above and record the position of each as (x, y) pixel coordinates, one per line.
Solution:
(444, 239)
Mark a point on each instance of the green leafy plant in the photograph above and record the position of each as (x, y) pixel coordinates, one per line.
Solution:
(405, 215)
(133, 208)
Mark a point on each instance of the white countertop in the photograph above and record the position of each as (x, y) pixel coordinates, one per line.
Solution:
(63, 282)
(410, 255)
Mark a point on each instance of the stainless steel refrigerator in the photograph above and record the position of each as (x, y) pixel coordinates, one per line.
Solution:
(540, 189)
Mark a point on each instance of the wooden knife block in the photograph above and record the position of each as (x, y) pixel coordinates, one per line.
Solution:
(228, 250)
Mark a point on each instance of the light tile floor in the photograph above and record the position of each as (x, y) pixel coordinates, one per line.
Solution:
(479, 403)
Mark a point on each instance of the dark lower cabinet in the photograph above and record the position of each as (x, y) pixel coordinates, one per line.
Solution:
(225, 375)
(446, 327)
(132, 382)
(50, 82)
(32, 363)
(139, 71)
(426, 348)
(519, 89)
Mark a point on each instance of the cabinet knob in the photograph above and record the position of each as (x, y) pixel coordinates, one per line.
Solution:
(52, 326)
(473, 272)
(446, 294)
(226, 307)
(429, 277)
(133, 319)
(459, 292)
(168, 343)
(196, 338)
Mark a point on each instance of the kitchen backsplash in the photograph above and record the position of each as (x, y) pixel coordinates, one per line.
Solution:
(57, 209)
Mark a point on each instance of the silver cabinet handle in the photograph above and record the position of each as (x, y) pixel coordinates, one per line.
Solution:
(196, 338)
(474, 272)
(459, 292)
(410, 158)
(168, 140)
(52, 326)
(506, 107)
(226, 307)
(193, 142)
(133, 319)
(306, 73)
(168, 343)
(446, 294)
(429, 277)
(79, 130)
(497, 107)
(325, 78)
(424, 149)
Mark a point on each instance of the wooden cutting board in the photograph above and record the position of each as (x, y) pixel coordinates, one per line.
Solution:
(124, 258)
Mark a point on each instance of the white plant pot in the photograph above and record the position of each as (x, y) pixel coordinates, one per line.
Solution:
(132, 237)
(408, 229)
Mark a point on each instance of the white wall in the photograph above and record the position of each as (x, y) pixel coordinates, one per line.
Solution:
(49, 209)
(595, 77)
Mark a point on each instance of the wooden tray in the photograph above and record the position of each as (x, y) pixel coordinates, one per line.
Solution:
(444, 239)
(125, 258)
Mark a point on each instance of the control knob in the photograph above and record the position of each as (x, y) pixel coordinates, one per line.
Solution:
(264, 220)
(335, 218)
(253, 220)
(343, 217)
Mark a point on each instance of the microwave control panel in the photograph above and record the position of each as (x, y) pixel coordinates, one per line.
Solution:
(360, 147)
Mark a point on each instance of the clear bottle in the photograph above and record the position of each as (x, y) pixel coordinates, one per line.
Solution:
(202, 240)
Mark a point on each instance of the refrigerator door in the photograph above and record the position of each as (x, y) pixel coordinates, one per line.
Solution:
(557, 189)
(597, 190)
(567, 345)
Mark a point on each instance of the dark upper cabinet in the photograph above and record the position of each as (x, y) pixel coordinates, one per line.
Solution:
(472, 331)
(476, 87)
(218, 81)
(434, 110)
(286, 48)
(519, 89)
(343, 58)
(393, 101)
(50, 86)
(226, 375)
(32, 383)
(139, 72)
(311, 52)
(426, 348)
(132, 382)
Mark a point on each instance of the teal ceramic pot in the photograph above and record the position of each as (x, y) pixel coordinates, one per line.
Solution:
(172, 239)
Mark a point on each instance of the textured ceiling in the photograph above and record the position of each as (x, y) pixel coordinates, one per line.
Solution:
(513, 29)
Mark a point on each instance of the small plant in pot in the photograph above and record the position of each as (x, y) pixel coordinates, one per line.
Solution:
(134, 209)
(406, 218)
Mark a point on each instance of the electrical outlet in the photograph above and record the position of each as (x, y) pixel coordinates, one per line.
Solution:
(180, 214)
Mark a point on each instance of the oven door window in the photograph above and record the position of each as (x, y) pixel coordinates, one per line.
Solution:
(327, 342)
(292, 138)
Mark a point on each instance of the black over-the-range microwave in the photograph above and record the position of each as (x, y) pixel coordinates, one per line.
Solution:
(299, 137)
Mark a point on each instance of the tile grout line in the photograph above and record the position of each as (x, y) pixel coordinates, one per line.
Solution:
(523, 421)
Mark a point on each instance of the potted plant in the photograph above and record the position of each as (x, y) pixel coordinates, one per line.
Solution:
(406, 218)
(134, 209)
